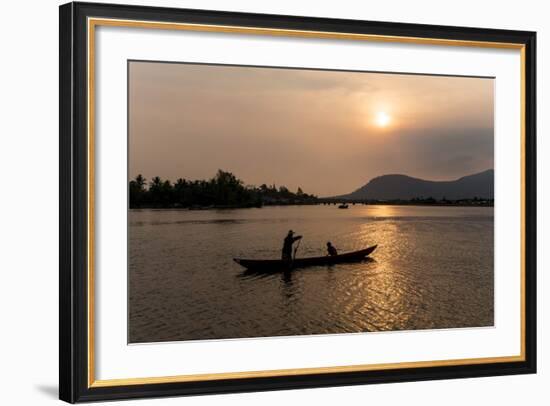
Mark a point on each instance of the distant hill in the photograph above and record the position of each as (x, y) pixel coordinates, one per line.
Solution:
(402, 187)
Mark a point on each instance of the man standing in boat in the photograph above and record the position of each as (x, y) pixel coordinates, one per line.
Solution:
(290, 239)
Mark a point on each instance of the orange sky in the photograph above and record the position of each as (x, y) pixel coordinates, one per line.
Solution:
(320, 130)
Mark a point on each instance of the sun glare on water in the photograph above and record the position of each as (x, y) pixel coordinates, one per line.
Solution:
(382, 119)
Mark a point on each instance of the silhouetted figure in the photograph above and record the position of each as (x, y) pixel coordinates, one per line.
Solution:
(287, 245)
(331, 250)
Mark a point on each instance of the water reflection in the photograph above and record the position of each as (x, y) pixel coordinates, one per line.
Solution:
(287, 286)
(433, 268)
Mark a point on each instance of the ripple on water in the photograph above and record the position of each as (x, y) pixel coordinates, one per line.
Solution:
(433, 268)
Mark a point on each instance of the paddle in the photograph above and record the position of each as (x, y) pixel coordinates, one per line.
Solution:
(295, 250)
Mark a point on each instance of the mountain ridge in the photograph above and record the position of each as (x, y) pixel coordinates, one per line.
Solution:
(403, 187)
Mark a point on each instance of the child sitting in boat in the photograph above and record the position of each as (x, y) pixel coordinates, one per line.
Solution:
(331, 250)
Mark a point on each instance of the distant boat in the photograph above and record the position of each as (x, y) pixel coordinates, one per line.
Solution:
(199, 207)
(343, 206)
(271, 265)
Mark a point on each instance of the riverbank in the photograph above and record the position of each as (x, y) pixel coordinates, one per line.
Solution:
(350, 205)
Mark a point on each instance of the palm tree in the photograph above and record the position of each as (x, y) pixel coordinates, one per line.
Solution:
(140, 181)
(137, 191)
(155, 191)
(167, 192)
(180, 189)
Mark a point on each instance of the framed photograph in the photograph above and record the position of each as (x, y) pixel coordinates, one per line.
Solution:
(255, 202)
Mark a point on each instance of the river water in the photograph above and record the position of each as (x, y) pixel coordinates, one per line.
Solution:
(433, 268)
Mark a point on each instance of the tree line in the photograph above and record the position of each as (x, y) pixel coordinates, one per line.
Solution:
(223, 190)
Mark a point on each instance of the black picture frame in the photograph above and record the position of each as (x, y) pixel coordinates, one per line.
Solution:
(73, 256)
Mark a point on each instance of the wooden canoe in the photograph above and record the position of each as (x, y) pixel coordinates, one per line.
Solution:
(270, 265)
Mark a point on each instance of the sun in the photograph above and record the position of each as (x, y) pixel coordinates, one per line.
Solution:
(382, 119)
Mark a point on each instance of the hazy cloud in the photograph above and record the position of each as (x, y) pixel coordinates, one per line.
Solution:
(314, 129)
